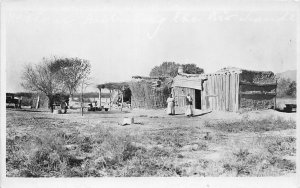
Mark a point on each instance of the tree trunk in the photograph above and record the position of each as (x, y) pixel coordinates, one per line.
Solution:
(50, 102)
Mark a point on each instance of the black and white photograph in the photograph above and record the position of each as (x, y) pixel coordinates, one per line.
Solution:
(144, 89)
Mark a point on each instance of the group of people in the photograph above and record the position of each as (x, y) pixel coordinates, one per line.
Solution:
(171, 105)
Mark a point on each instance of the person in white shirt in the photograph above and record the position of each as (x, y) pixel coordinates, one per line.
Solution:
(171, 105)
(189, 105)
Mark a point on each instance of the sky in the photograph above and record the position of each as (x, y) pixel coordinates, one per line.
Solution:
(123, 40)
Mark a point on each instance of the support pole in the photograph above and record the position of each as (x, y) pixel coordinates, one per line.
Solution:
(110, 99)
(37, 102)
(275, 95)
(122, 98)
(82, 99)
(100, 97)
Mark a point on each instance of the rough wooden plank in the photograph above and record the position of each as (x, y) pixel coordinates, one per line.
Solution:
(213, 92)
(235, 91)
(224, 92)
(210, 104)
(238, 93)
(230, 93)
(219, 92)
(234, 94)
(202, 94)
(227, 93)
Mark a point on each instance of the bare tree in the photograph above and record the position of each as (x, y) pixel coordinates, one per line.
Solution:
(41, 77)
(56, 75)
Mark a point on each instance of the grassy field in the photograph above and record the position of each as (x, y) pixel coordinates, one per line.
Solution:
(258, 143)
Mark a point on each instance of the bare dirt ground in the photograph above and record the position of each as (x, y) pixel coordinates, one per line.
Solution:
(256, 143)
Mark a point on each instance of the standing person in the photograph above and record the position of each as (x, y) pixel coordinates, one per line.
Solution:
(119, 101)
(20, 102)
(64, 106)
(189, 105)
(171, 105)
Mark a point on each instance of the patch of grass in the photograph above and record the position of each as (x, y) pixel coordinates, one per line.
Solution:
(259, 125)
(281, 145)
(105, 153)
(176, 137)
(244, 163)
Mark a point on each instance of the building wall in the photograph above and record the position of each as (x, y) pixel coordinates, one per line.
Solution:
(220, 92)
(257, 97)
(257, 89)
(180, 93)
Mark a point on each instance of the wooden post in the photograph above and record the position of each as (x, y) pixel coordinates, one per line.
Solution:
(123, 89)
(122, 101)
(109, 99)
(82, 99)
(100, 97)
(37, 102)
(275, 95)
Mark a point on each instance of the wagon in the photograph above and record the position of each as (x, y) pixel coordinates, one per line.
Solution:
(290, 108)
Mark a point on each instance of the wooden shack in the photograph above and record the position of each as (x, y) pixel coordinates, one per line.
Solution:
(228, 89)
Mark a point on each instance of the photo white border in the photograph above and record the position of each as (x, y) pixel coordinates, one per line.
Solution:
(151, 182)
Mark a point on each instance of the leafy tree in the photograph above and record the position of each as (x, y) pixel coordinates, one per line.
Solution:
(71, 72)
(192, 69)
(286, 87)
(165, 69)
(291, 91)
(171, 69)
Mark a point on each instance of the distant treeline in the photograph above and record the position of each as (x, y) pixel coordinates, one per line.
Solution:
(286, 88)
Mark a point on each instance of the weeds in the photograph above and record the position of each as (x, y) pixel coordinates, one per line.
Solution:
(243, 163)
(282, 146)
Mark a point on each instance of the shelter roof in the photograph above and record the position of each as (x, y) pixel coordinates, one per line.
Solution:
(113, 85)
(189, 80)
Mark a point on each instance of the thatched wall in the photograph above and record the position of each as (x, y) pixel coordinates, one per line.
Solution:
(145, 95)
(257, 77)
(257, 89)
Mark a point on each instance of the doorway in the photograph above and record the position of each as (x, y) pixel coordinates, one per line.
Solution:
(197, 99)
